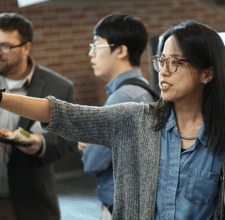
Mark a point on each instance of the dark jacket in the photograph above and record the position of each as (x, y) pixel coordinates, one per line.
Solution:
(31, 180)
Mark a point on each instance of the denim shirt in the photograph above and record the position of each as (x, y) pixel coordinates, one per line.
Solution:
(97, 159)
(188, 181)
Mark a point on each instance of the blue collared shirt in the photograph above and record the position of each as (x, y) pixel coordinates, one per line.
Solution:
(189, 181)
(97, 159)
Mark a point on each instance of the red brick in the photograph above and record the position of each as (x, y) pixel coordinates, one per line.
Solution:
(39, 26)
(64, 25)
(50, 34)
(76, 16)
(51, 19)
(63, 10)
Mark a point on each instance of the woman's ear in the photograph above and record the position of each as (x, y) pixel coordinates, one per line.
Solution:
(208, 75)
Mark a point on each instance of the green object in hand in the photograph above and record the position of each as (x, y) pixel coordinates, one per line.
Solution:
(25, 133)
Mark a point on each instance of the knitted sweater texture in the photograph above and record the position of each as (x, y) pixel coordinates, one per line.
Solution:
(126, 129)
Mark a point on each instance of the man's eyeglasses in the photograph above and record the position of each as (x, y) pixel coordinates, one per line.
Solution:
(93, 46)
(171, 63)
(6, 48)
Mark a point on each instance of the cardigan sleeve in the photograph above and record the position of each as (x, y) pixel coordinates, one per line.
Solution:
(96, 125)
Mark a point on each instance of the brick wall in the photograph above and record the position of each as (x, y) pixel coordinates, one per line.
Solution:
(63, 32)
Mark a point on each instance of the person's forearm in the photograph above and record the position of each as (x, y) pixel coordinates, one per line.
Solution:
(33, 108)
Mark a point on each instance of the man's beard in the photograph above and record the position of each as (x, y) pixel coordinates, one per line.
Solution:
(7, 68)
(4, 67)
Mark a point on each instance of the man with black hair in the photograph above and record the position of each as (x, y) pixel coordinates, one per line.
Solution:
(119, 42)
(27, 188)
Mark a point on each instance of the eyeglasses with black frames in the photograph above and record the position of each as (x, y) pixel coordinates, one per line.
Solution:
(171, 63)
(5, 48)
(93, 46)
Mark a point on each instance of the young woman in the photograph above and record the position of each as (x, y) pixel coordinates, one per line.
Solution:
(167, 156)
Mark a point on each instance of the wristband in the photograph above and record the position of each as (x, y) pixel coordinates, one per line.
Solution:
(1, 91)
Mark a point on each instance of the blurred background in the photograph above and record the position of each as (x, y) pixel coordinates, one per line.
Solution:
(62, 34)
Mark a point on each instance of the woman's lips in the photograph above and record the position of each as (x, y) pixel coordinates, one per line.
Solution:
(165, 85)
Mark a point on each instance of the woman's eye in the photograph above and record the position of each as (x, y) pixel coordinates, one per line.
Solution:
(173, 62)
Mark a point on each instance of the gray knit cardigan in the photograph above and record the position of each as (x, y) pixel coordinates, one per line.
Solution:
(126, 129)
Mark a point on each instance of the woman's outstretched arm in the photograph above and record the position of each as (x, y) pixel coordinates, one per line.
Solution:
(28, 107)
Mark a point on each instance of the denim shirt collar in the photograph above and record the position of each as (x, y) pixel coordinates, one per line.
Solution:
(171, 123)
(112, 85)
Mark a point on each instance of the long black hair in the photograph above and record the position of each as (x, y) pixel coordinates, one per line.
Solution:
(204, 48)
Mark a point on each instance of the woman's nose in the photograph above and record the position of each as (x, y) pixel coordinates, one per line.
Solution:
(164, 70)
